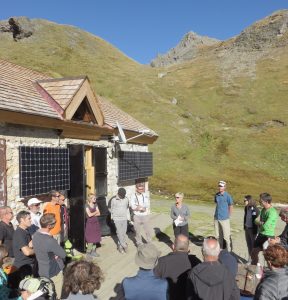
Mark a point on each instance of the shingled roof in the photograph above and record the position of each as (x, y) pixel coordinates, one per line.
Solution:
(18, 93)
(26, 91)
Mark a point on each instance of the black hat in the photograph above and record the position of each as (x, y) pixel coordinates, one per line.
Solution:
(121, 193)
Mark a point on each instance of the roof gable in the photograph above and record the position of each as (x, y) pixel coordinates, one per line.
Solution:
(70, 93)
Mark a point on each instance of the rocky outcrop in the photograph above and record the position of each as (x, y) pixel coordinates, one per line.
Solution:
(185, 50)
(19, 28)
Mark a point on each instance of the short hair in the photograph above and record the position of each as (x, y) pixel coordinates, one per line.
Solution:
(3, 210)
(53, 193)
(84, 276)
(181, 243)
(3, 252)
(276, 255)
(266, 197)
(22, 215)
(179, 194)
(284, 212)
(47, 219)
(209, 249)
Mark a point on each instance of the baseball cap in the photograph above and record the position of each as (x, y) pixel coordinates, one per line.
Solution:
(222, 183)
(33, 201)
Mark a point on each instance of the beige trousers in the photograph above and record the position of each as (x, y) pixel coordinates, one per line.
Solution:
(58, 281)
(222, 231)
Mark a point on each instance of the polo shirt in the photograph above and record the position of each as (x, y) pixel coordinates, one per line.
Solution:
(54, 209)
(223, 201)
(21, 238)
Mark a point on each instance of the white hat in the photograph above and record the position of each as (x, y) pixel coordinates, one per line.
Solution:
(33, 201)
(222, 183)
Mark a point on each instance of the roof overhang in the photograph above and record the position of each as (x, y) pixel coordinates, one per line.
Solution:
(67, 128)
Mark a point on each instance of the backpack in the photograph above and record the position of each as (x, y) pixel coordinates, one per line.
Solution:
(48, 287)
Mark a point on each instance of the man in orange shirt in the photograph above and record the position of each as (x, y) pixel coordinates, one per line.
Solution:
(53, 207)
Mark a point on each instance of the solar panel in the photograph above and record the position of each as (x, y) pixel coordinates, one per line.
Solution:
(43, 169)
(134, 165)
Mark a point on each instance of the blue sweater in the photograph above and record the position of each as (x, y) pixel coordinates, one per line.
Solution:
(145, 286)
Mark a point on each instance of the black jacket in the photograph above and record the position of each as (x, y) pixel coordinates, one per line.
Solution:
(255, 214)
(284, 237)
(211, 281)
(174, 267)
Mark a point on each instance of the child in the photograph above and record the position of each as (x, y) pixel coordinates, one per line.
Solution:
(92, 229)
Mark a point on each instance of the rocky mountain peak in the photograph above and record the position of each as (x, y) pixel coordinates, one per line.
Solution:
(185, 50)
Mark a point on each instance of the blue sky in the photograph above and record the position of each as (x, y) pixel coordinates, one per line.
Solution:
(143, 28)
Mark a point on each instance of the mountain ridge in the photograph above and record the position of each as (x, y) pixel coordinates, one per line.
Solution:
(220, 115)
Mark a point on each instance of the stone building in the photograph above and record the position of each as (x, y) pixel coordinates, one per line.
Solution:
(58, 134)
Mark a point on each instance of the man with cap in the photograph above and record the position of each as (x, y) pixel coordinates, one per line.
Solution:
(119, 211)
(34, 208)
(224, 207)
(145, 285)
(266, 225)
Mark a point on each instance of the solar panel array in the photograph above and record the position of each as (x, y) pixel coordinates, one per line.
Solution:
(43, 169)
(134, 165)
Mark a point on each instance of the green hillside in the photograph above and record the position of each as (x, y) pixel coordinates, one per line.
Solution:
(220, 128)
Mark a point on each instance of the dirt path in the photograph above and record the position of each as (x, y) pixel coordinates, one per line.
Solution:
(116, 266)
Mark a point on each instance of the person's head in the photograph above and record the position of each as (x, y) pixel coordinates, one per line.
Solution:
(31, 287)
(84, 276)
(179, 197)
(24, 219)
(249, 201)
(221, 186)
(276, 256)
(34, 205)
(6, 214)
(210, 249)
(140, 188)
(265, 200)
(91, 198)
(147, 256)
(121, 193)
(3, 254)
(62, 197)
(54, 196)
(284, 214)
(48, 221)
(181, 243)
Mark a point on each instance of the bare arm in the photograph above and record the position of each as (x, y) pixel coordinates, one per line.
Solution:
(92, 214)
(230, 208)
(27, 251)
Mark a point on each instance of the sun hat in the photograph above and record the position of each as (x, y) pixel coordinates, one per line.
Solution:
(33, 201)
(147, 256)
(31, 285)
(222, 183)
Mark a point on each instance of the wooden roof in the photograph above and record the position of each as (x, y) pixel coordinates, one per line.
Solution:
(25, 91)
(18, 93)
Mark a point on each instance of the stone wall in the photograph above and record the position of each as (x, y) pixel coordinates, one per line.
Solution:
(16, 136)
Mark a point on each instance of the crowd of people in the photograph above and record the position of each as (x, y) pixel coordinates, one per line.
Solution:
(33, 262)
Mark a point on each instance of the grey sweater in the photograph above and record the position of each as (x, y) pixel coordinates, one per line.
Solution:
(119, 208)
(46, 248)
(183, 212)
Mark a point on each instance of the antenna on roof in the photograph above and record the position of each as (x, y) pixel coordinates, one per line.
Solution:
(121, 138)
(121, 135)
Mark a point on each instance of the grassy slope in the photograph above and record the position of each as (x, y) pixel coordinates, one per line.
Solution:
(206, 136)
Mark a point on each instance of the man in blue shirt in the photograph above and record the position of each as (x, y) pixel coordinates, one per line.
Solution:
(224, 206)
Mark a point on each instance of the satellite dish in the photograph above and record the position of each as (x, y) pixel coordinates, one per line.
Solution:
(121, 135)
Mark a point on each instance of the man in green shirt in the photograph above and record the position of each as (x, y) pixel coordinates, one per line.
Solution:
(267, 223)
